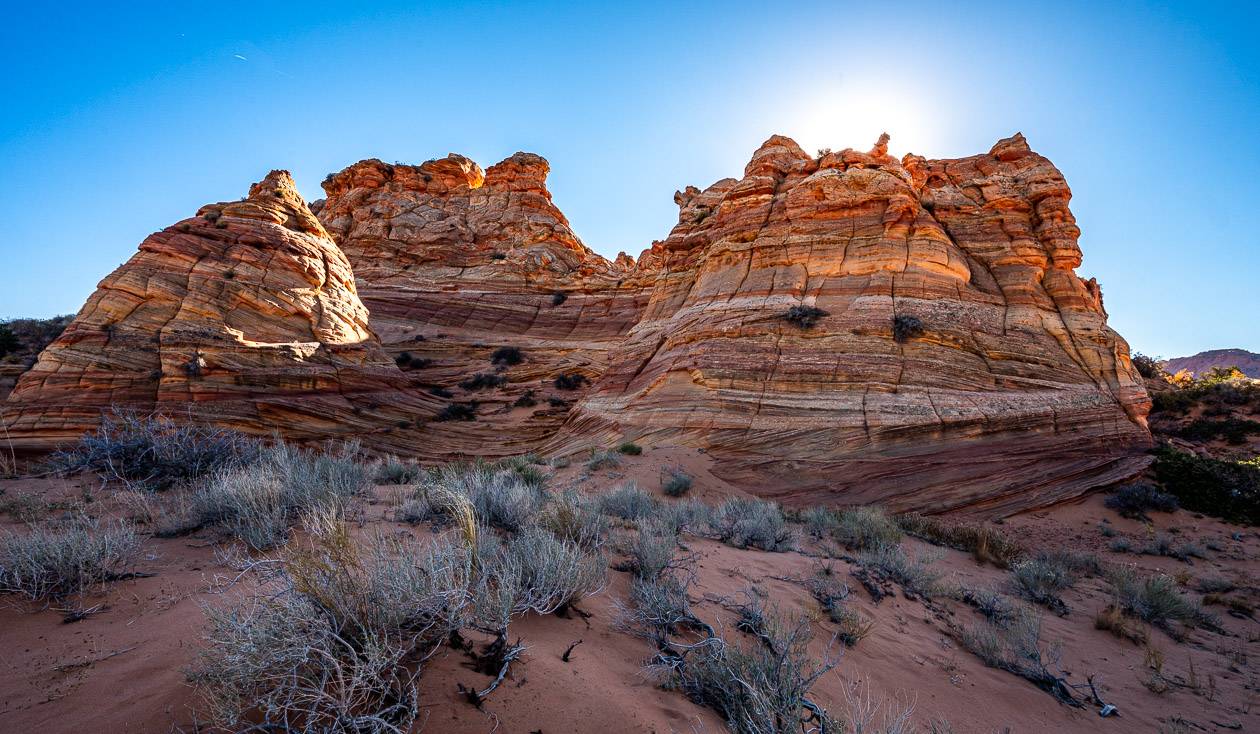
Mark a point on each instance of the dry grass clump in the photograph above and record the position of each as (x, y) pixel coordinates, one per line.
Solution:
(334, 634)
(758, 687)
(393, 470)
(832, 593)
(652, 551)
(331, 645)
(1041, 578)
(1017, 648)
(64, 558)
(154, 452)
(677, 484)
(628, 502)
(603, 460)
(505, 494)
(750, 523)
(868, 527)
(914, 575)
(258, 502)
(1113, 620)
(1155, 599)
(987, 543)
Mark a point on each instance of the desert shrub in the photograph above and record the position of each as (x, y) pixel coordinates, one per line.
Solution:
(1147, 367)
(575, 519)
(65, 558)
(504, 497)
(987, 543)
(603, 460)
(906, 328)
(627, 502)
(548, 574)
(570, 381)
(441, 392)
(1154, 599)
(1234, 430)
(507, 356)
(8, 340)
(832, 594)
(1224, 489)
(482, 381)
(558, 298)
(31, 335)
(1135, 500)
(329, 645)
(746, 523)
(393, 470)
(914, 575)
(804, 316)
(527, 400)
(859, 528)
(258, 502)
(1214, 585)
(458, 412)
(1040, 579)
(652, 551)
(658, 608)
(1165, 545)
(406, 360)
(687, 515)
(677, 483)
(630, 448)
(991, 604)
(1018, 649)
(155, 453)
(819, 522)
(761, 687)
(498, 256)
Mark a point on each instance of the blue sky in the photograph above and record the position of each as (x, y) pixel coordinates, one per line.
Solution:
(118, 121)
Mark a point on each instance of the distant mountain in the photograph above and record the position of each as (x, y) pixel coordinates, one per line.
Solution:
(1248, 362)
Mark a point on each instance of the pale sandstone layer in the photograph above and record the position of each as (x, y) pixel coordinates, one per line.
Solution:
(245, 315)
(1015, 393)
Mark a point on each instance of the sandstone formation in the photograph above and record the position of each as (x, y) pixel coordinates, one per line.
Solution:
(1003, 387)
(836, 329)
(245, 314)
(454, 263)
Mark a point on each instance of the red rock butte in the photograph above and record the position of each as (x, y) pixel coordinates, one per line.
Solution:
(847, 328)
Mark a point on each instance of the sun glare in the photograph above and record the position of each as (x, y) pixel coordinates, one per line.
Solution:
(854, 117)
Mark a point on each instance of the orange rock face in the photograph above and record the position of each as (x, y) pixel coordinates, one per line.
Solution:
(843, 329)
(454, 263)
(246, 315)
(957, 361)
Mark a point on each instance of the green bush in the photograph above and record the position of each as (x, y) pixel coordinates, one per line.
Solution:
(1224, 489)
(629, 448)
(678, 483)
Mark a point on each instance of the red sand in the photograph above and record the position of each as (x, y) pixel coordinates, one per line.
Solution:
(122, 669)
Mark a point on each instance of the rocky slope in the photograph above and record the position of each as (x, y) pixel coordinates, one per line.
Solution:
(1002, 386)
(245, 314)
(1203, 362)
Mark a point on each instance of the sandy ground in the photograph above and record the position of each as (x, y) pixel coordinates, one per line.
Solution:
(122, 669)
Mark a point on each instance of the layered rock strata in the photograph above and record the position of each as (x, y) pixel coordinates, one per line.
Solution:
(245, 315)
(955, 358)
(846, 328)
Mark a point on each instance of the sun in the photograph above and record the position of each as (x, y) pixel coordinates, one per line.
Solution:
(855, 115)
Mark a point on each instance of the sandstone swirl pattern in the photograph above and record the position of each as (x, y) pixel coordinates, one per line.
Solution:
(1010, 391)
(1014, 392)
(245, 315)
